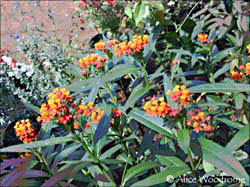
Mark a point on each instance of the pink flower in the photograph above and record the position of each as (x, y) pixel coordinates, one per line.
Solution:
(82, 4)
(111, 2)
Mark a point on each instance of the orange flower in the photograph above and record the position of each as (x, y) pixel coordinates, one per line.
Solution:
(180, 94)
(25, 131)
(100, 46)
(76, 126)
(202, 38)
(91, 60)
(90, 111)
(26, 155)
(247, 70)
(198, 121)
(125, 48)
(236, 75)
(159, 108)
(248, 48)
(55, 105)
(97, 115)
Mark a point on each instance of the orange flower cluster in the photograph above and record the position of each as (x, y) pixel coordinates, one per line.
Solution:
(246, 68)
(92, 59)
(159, 108)
(202, 38)
(199, 122)
(61, 107)
(90, 111)
(134, 46)
(25, 131)
(100, 46)
(239, 75)
(116, 114)
(55, 106)
(26, 155)
(236, 75)
(180, 94)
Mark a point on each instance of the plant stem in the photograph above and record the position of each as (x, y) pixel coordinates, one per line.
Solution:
(145, 75)
(95, 159)
(194, 171)
(187, 16)
(42, 160)
(114, 100)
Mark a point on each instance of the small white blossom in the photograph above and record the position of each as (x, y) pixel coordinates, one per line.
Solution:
(6, 59)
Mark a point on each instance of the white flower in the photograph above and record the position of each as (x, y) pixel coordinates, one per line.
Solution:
(171, 3)
(6, 59)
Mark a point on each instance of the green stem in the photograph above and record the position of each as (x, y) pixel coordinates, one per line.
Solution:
(187, 16)
(114, 100)
(145, 75)
(194, 169)
(42, 160)
(92, 156)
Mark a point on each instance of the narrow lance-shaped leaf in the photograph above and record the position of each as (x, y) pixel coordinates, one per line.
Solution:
(102, 128)
(171, 160)
(134, 96)
(162, 176)
(153, 123)
(220, 87)
(96, 85)
(66, 152)
(241, 137)
(222, 159)
(118, 71)
(183, 139)
(229, 122)
(36, 144)
(139, 169)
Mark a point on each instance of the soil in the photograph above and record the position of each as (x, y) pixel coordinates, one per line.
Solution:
(55, 18)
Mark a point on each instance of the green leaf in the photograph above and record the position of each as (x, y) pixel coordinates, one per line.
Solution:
(222, 159)
(220, 87)
(183, 139)
(239, 101)
(96, 85)
(139, 12)
(110, 151)
(207, 166)
(229, 122)
(222, 70)
(118, 71)
(162, 176)
(66, 152)
(241, 137)
(222, 54)
(32, 107)
(156, 4)
(171, 160)
(168, 86)
(139, 169)
(129, 12)
(79, 85)
(153, 123)
(134, 96)
(36, 144)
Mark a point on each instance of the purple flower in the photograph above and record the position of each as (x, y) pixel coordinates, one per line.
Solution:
(9, 36)
(16, 36)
